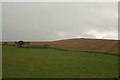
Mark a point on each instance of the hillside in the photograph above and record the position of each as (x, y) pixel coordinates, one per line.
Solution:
(93, 45)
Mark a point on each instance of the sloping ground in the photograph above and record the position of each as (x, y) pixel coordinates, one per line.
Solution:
(93, 45)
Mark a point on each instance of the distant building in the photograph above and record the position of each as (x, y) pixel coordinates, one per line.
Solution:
(22, 44)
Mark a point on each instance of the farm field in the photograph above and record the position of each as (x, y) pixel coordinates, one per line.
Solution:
(91, 45)
(53, 63)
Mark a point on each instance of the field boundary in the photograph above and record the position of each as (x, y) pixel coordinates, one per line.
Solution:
(42, 47)
(87, 51)
(38, 47)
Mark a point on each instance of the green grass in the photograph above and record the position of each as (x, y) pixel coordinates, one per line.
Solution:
(0, 61)
(53, 63)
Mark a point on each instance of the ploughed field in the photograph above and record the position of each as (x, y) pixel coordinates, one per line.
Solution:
(53, 63)
(90, 45)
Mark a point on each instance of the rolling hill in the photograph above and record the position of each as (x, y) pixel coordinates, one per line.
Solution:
(91, 45)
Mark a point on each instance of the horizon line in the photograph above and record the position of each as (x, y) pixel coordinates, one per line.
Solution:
(59, 39)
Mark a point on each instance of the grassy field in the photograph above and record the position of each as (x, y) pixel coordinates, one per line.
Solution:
(53, 63)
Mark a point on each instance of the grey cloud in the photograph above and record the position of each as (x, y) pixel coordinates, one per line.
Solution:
(0, 21)
(51, 21)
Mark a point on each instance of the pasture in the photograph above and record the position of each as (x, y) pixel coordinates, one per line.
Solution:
(53, 63)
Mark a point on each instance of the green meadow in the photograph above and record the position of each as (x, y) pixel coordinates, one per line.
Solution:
(53, 63)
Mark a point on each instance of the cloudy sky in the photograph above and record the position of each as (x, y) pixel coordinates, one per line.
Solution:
(59, 20)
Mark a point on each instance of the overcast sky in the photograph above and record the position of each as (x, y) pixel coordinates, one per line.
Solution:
(54, 21)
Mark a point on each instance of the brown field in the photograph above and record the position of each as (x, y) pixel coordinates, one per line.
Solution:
(92, 45)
